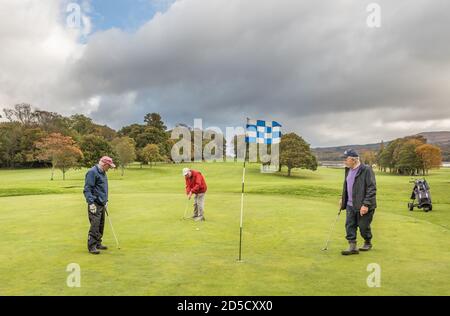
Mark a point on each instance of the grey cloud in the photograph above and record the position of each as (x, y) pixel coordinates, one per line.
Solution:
(312, 65)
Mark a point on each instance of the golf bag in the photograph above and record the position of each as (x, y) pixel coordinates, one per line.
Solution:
(421, 197)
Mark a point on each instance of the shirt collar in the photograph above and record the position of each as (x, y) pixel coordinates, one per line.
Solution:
(100, 169)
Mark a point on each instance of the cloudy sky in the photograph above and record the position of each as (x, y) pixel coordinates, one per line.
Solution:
(314, 66)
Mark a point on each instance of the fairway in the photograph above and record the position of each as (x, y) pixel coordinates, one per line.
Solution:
(44, 228)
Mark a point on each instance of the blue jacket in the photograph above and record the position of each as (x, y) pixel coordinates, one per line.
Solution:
(96, 186)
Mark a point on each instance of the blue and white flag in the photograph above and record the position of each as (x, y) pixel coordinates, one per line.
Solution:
(263, 132)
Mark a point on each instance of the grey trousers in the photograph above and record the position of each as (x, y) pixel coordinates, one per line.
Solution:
(355, 220)
(96, 230)
(199, 205)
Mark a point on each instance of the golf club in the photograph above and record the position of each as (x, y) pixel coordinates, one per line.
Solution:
(186, 209)
(112, 229)
(332, 230)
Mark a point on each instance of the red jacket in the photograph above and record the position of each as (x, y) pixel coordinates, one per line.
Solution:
(196, 183)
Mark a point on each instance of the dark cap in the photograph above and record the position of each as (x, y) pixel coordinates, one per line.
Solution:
(350, 153)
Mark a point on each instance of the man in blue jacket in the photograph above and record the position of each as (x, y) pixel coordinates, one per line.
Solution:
(96, 194)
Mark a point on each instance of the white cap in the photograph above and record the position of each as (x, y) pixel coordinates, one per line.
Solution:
(186, 171)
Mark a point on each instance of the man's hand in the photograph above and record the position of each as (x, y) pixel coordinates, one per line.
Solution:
(364, 210)
(93, 208)
(340, 203)
(190, 195)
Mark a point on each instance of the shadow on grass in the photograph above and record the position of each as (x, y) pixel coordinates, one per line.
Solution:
(295, 174)
(28, 191)
(306, 191)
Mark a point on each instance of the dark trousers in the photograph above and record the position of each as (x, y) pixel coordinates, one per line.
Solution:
(97, 221)
(355, 220)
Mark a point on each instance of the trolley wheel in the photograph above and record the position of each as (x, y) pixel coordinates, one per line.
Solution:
(411, 206)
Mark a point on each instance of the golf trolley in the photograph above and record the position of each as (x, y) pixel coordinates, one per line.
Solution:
(421, 195)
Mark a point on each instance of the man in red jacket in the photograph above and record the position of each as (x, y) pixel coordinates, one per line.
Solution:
(196, 185)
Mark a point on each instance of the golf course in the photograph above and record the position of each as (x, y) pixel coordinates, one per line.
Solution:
(287, 220)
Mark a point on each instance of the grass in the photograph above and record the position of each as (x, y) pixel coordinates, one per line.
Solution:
(44, 228)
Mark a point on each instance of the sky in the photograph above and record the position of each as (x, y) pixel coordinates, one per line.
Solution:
(314, 66)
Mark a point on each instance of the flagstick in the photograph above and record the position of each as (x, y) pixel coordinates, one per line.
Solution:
(242, 204)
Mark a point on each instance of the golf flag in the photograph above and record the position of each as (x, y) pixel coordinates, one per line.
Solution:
(257, 132)
(263, 132)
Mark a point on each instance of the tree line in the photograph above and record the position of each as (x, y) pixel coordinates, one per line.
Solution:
(405, 156)
(31, 138)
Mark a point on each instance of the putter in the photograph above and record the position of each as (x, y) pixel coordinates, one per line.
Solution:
(112, 229)
(186, 209)
(332, 230)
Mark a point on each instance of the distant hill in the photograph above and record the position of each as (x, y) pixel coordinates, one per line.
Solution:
(441, 139)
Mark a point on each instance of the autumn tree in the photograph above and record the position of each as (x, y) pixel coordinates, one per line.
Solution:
(401, 156)
(125, 150)
(369, 157)
(61, 151)
(430, 156)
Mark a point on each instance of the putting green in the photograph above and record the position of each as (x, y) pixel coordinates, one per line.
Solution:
(287, 220)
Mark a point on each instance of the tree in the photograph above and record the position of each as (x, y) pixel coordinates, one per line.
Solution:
(150, 135)
(125, 150)
(10, 137)
(151, 154)
(144, 135)
(430, 156)
(296, 153)
(105, 131)
(27, 145)
(400, 156)
(407, 160)
(369, 157)
(155, 120)
(154, 132)
(93, 148)
(21, 113)
(51, 122)
(85, 126)
(61, 151)
(26, 126)
(386, 157)
(17, 144)
(82, 124)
